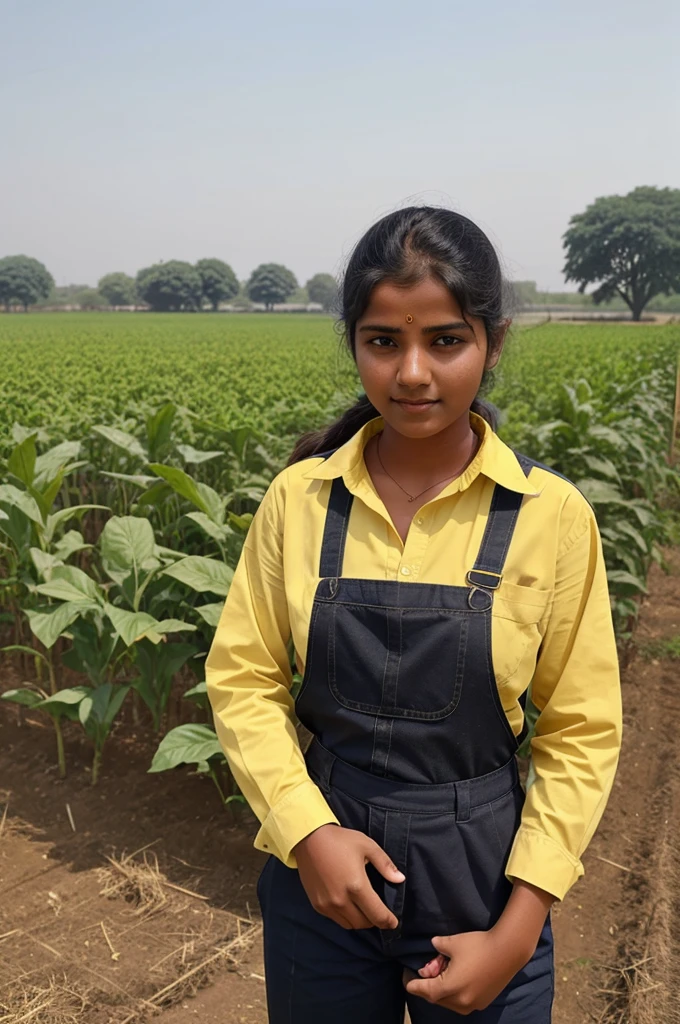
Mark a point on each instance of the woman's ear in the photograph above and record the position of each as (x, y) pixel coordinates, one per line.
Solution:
(496, 344)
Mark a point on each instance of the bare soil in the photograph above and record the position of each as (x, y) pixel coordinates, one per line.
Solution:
(168, 927)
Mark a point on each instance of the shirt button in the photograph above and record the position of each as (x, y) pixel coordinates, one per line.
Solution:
(405, 571)
(419, 521)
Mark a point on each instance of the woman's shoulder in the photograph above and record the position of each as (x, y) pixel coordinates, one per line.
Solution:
(295, 480)
(560, 499)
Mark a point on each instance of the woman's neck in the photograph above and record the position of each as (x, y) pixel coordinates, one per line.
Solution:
(423, 458)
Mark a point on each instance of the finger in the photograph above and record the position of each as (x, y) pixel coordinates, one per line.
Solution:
(385, 865)
(444, 944)
(370, 904)
(356, 917)
(337, 913)
(430, 989)
(433, 967)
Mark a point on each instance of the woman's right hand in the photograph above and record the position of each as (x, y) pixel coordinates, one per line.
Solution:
(332, 865)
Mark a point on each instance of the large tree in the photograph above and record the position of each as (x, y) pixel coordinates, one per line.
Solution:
(23, 280)
(118, 289)
(323, 288)
(628, 246)
(218, 280)
(270, 283)
(170, 286)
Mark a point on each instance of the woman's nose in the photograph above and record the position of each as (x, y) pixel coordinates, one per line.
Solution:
(413, 368)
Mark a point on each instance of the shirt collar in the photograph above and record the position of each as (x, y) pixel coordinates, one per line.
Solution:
(494, 459)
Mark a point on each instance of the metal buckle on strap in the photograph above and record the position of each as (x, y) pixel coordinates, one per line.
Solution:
(488, 580)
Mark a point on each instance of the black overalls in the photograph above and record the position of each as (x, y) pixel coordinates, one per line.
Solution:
(412, 747)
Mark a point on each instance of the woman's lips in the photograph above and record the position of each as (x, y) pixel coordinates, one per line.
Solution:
(416, 407)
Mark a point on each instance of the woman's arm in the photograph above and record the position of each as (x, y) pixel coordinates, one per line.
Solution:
(575, 752)
(576, 746)
(248, 677)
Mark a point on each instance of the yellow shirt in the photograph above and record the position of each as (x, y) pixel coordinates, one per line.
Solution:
(552, 627)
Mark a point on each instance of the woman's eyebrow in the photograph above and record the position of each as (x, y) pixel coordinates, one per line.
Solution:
(381, 328)
(456, 325)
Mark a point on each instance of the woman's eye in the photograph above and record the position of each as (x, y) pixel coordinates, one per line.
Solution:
(447, 340)
(378, 342)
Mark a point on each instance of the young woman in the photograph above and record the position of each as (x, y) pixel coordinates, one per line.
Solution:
(427, 574)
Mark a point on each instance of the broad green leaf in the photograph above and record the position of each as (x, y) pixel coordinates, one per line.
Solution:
(210, 613)
(127, 546)
(200, 691)
(602, 466)
(203, 497)
(49, 623)
(21, 461)
(68, 583)
(46, 498)
(186, 744)
(27, 698)
(48, 465)
(20, 433)
(138, 479)
(25, 650)
(72, 542)
(213, 502)
(155, 495)
(121, 439)
(194, 456)
(242, 522)
(168, 553)
(73, 695)
(202, 574)
(159, 428)
(116, 699)
(130, 626)
(218, 533)
(166, 626)
(625, 527)
(43, 562)
(599, 492)
(608, 434)
(626, 579)
(63, 515)
(12, 496)
(85, 708)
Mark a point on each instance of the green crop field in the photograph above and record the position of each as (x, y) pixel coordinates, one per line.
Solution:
(67, 371)
(134, 449)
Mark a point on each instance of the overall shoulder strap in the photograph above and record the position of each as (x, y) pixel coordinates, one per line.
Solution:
(487, 571)
(335, 529)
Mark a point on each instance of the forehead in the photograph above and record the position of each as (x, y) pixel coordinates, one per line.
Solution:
(426, 298)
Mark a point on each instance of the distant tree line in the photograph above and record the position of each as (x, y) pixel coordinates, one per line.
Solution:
(627, 246)
(172, 286)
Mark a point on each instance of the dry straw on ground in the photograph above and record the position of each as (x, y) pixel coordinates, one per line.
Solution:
(138, 882)
(51, 1001)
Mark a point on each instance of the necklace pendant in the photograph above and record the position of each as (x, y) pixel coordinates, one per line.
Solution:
(412, 499)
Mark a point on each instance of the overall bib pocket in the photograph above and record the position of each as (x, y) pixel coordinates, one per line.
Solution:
(397, 662)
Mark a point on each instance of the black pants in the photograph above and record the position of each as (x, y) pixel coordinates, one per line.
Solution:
(320, 973)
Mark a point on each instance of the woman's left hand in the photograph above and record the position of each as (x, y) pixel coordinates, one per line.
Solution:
(479, 966)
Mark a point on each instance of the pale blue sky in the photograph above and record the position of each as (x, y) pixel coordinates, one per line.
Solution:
(147, 130)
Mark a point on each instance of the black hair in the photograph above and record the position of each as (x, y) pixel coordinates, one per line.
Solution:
(404, 247)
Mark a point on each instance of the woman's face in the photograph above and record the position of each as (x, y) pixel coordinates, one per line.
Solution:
(412, 344)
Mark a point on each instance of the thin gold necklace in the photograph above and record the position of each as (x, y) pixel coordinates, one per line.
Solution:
(412, 497)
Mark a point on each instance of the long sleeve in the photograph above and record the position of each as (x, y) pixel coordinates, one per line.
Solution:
(248, 677)
(578, 734)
